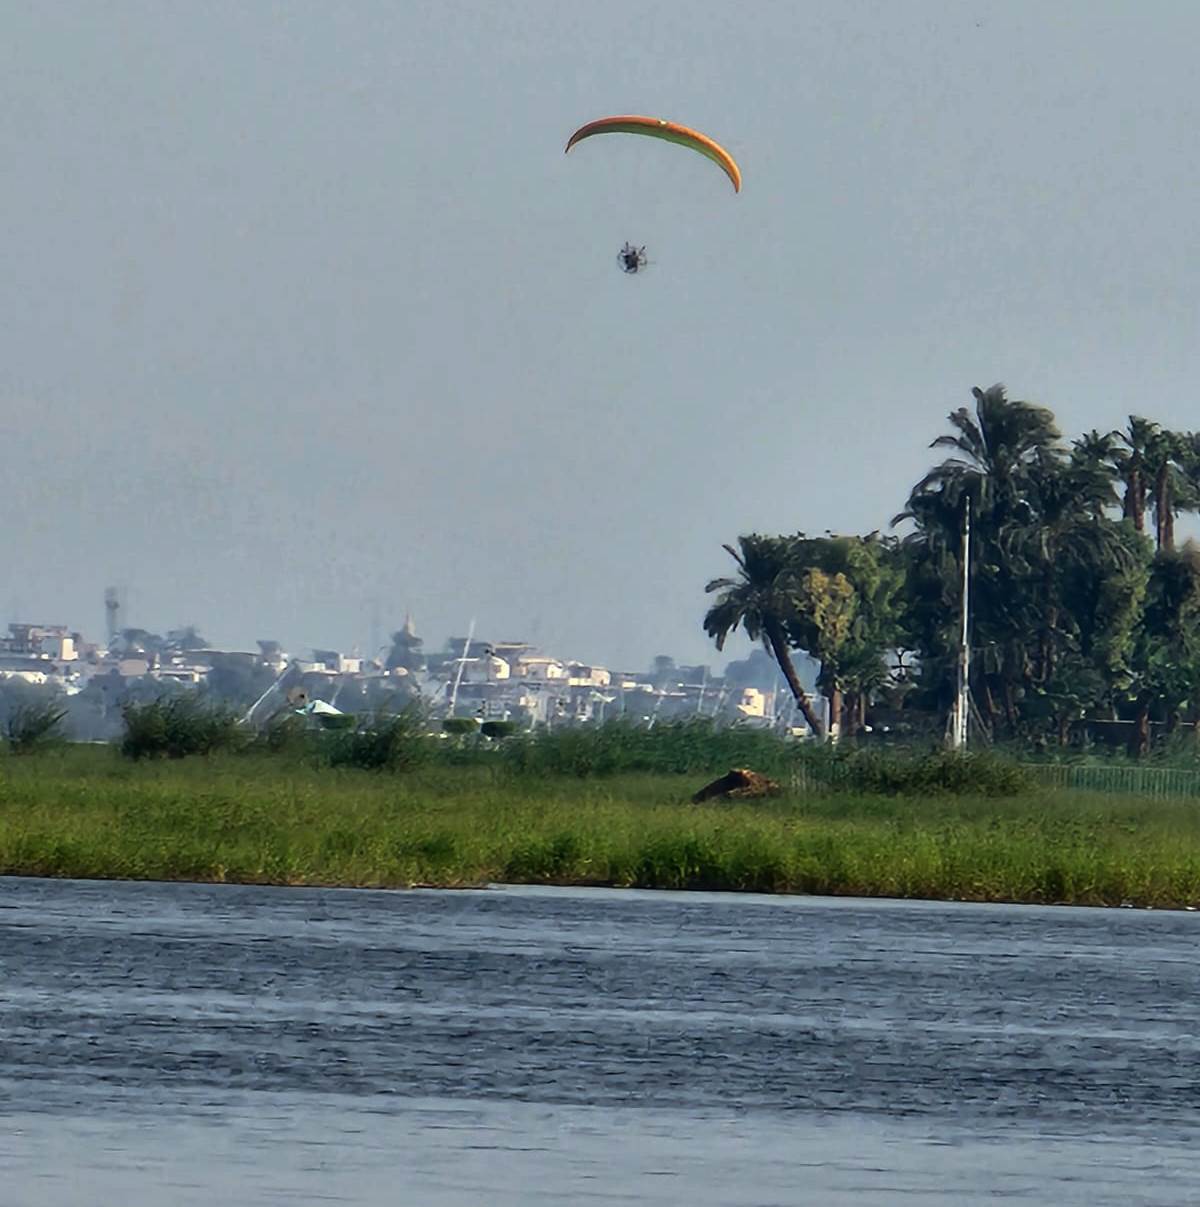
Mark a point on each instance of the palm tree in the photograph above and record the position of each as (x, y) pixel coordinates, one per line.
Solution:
(995, 449)
(1131, 467)
(1068, 529)
(1157, 469)
(1170, 488)
(1099, 456)
(1187, 455)
(1167, 660)
(760, 599)
(1154, 466)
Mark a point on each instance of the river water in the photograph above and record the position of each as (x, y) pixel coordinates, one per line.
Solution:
(189, 1044)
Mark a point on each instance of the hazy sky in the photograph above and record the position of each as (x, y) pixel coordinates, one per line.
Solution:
(304, 313)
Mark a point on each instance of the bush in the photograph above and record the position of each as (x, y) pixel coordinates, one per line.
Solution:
(460, 727)
(386, 743)
(32, 727)
(177, 726)
(498, 729)
(693, 747)
(287, 734)
(908, 773)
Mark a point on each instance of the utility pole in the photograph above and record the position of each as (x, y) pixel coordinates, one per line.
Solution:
(962, 698)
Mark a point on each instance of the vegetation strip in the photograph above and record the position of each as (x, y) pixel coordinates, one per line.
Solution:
(259, 818)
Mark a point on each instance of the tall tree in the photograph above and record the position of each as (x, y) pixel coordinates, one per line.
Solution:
(1131, 465)
(1166, 664)
(1066, 526)
(848, 616)
(822, 624)
(1152, 465)
(1095, 457)
(761, 599)
(1079, 571)
(994, 448)
(998, 452)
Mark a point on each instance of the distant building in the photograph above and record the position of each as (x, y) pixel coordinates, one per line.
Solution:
(486, 668)
(539, 667)
(581, 675)
(750, 702)
(52, 641)
(406, 648)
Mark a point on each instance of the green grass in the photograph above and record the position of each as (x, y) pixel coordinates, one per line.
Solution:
(86, 812)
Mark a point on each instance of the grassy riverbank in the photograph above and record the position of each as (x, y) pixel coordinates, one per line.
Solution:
(84, 812)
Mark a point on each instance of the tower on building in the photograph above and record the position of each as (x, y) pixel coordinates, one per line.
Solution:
(112, 612)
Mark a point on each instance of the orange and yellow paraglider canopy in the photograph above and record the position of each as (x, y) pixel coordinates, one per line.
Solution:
(657, 127)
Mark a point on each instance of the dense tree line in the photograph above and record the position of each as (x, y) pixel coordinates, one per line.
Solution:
(1083, 607)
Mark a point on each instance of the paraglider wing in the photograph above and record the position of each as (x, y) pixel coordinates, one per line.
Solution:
(656, 127)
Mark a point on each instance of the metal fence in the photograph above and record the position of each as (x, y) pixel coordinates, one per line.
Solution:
(1156, 783)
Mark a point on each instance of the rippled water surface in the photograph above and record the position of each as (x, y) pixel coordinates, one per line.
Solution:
(173, 1043)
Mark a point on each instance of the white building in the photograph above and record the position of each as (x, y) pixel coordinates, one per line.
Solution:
(486, 668)
(540, 668)
(750, 702)
(582, 675)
